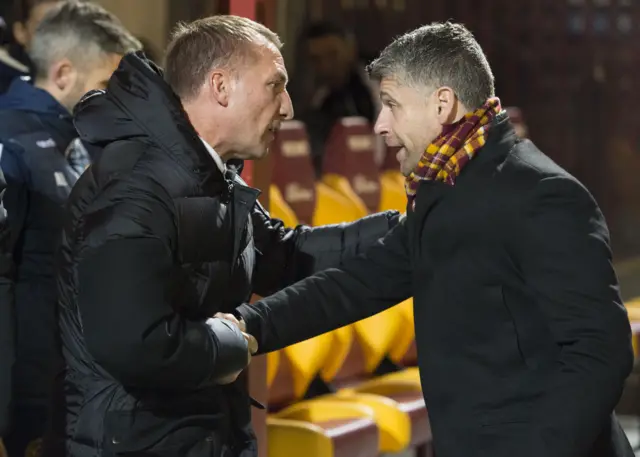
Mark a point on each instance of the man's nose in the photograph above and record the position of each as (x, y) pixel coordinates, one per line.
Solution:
(286, 108)
(380, 126)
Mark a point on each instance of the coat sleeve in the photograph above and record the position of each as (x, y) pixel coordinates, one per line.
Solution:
(363, 286)
(7, 348)
(286, 255)
(130, 314)
(13, 210)
(565, 258)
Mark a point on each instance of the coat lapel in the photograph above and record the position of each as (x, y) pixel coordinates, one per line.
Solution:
(243, 199)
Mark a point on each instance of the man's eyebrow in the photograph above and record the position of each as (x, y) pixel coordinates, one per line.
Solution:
(385, 96)
(280, 77)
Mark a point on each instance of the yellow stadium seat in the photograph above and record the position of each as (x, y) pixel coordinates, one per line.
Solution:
(323, 429)
(406, 333)
(304, 361)
(280, 209)
(341, 185)
(395, 176)
(392, 193)
(340, 348)
(373, 339)
(273, 362)
(332, 207)
(403, 341)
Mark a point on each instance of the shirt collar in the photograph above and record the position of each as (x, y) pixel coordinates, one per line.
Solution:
(215, 156)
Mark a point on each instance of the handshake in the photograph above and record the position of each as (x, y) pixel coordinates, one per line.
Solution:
(252, 344)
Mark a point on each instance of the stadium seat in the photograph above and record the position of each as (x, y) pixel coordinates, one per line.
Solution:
(299, 366)
(350, 159)
(313, 202)
(273, 362)
(279, 209)
(333, 207)
(293, 171)
(322, 429)
(393, 195)
(373, 338)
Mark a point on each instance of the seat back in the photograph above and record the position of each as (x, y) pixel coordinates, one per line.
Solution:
(299, 365)
(273, 363)
(406, 332)
(392, 195)
(279, 209)
(332, 207)
(373, 339)
(293, 171)
(337, 190)
(350, 152)
(341, 344)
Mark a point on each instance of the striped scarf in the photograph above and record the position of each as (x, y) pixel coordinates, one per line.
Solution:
(445, 157)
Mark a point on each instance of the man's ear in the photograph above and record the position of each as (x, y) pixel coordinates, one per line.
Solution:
(220, 86)
(446, 105)
(20, 33)
(63, 74)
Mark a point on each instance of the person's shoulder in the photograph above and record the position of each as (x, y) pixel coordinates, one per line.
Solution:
(530, 167)
(16, 123)
(112, 203)
(527, 159)
(546, 184)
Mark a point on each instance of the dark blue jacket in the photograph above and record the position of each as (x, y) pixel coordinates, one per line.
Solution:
(37, 137)
(6, 319)
(9, 72)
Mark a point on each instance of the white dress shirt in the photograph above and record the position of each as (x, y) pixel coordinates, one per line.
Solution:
(215, 156)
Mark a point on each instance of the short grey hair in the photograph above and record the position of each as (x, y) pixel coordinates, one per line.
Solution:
(79, 31)
(217, 41)
(436, 55)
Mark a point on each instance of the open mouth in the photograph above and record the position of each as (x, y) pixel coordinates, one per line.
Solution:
(274, 128)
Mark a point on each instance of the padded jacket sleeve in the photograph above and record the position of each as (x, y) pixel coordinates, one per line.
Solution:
(6, 317)
(15, 202)
(365, 285)
(285, 256)
(130, 315)
(563, 251)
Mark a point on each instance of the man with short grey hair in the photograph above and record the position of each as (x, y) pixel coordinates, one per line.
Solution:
(164, 234)
(75, 48)
(523, 341)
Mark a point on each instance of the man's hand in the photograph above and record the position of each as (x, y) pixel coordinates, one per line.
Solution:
(251, 342)
(230, 317)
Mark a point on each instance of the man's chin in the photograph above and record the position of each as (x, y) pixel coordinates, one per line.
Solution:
(405, 170)
(262, 153)
(256, 154)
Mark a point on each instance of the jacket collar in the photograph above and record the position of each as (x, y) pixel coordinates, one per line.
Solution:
(23, 96)
(138, 103)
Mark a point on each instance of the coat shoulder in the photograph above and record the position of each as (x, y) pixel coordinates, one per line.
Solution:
(526, 167)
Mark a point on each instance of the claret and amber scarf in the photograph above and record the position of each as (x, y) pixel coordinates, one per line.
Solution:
(445, 157)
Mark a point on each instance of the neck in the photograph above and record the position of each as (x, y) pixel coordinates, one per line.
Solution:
(50, 89)
(459, 112)
(207, 130)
